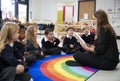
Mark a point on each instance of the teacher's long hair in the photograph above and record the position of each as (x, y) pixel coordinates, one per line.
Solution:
(102, 21)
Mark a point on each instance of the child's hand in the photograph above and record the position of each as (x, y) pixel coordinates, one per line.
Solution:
(52, 40)
(19, 60)
(26, 53)
(23, 42)
(71, 46)
(42, 53)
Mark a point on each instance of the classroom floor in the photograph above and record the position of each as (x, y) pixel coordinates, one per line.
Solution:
(101, 75)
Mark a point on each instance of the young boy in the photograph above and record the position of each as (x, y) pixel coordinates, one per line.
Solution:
(88, 36)
(50, 43)
(70, 44)
(20, 44)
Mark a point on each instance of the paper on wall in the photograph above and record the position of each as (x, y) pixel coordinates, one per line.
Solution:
(85, 16)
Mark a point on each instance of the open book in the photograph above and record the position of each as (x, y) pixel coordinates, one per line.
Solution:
(79, 38)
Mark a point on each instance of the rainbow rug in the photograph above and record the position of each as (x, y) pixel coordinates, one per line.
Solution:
(53, 68)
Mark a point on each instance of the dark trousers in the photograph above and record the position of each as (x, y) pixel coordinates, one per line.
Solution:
(9, 74)
(51, 51)
(94, 61)
(68, 50)
(23, 77)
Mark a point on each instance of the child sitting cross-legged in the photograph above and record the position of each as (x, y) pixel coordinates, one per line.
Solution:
(70, 44)
(32, 46)
(20, 44)
(11, 60)
(88, 36)
(50, 43)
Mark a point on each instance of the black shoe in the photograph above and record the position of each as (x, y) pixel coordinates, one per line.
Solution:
(40, 56)
(73, 63)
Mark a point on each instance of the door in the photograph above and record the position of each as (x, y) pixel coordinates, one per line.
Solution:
(86, 9)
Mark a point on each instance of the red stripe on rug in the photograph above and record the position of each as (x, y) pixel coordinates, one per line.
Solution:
(51, 72)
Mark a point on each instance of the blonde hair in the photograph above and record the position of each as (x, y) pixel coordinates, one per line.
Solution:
(85, 27)
(7, 31)
(30, 35)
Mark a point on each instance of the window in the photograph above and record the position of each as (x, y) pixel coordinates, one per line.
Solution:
(7, 7)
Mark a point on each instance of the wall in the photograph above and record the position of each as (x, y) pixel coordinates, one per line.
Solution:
(42, 10)
(104, 4)
(47, 11)
(114, 17)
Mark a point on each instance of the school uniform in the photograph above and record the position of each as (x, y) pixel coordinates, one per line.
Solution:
(8, 62)
(89, 39)
(33, 50)
(50, 48)
(20, 47)
(67, 42)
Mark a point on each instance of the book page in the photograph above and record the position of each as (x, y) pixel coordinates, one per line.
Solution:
(79, 38)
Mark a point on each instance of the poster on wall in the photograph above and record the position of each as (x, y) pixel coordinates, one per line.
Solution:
(69, 13)
(60, 15)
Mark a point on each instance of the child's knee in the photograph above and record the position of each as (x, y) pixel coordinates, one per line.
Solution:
(19, 69)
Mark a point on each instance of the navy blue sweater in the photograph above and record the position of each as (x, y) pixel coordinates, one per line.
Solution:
(67, 41)
(48, 44)
(88, 39)
(9, 57)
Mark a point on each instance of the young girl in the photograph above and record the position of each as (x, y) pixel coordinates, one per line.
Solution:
(31, 39)
(50, 43)
(11, 62)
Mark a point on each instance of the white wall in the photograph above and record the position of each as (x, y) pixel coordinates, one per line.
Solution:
(68, 14)
(104, 4)
(46, 10)
(114, 17)
(43, 10)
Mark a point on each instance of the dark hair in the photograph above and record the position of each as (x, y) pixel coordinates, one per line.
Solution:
(21, 26)
(102, 21)
(48, 30)
(69, 28)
